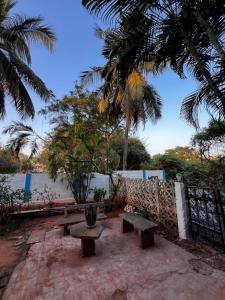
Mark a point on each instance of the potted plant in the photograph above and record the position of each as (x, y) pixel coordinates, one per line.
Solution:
(90, 216)
(99, 194)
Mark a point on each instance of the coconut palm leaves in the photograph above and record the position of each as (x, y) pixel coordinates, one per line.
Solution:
(187, 35)
(22, 136)
(124, 84)
(16, 35)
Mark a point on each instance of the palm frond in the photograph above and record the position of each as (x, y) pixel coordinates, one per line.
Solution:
(153, 103)
(189, 108)
(15, 87)
(91, 76)
(2, 103)
(17, 33)
(31, 30)
(17, 127)
(21, 136)
(34, 148)
(135, 85)
(31, 78)
(5, 7)
(112, 8)
(102, 105)
(17, 144)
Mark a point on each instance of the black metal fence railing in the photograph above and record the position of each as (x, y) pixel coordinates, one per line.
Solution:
(207, 215)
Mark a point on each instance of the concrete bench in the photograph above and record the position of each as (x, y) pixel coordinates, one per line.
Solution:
(146, 228)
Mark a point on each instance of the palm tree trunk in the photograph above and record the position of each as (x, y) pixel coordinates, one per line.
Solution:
(125, 150)
(211, 34)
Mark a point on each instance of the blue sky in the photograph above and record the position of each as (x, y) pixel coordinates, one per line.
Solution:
(78, 49)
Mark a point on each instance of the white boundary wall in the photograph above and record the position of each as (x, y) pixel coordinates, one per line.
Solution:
(60, 186)
(140, 174)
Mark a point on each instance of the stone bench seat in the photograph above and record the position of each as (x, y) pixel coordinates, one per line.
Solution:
(146, 228)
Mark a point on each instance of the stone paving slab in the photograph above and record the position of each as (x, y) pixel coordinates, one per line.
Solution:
(55, 270)
(36, 236)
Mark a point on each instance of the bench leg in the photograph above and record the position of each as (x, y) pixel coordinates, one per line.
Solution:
(127, 227)
(88, 247)
(66, 230)
(147, 238)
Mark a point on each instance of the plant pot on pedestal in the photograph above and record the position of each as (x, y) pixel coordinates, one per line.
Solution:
(90, 216)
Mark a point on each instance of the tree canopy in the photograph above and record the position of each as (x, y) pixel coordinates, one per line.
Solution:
(18, 33)
(185, 153)
(137, 157)
(184, 35)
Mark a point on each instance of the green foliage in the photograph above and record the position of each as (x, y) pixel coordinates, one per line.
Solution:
(8, 163)
(47, 194)
(108, 205)
(8, 200)
(22, 136)
(125, 89)
(210, 141)
(208, 173)
(185, 153)
(205, 173)
(185, 35)
(137, 156)
(144, 212)
(17, 34)
(26, 166)
(80, 140)
(99, 194)
(171, 164)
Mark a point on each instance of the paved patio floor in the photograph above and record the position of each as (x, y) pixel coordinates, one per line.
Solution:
(54, 270)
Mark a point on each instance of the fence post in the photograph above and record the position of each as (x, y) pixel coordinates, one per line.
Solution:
(144, 174)
(27, 187)
(157, 196)
(182, 210)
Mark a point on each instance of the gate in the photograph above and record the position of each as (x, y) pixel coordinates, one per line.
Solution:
(207, 215)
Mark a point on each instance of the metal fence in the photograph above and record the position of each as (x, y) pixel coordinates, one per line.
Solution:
(207, 215)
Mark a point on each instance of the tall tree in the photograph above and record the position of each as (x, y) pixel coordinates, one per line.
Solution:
(17, 33)
(124, 85)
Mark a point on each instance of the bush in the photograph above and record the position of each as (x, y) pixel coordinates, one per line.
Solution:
(8, 197)
(99, 194)
(8, 200)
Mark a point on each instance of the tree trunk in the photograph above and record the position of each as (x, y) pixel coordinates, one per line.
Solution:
(125, 150)
(211, 34)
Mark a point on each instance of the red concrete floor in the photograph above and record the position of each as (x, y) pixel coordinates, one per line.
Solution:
(54, 270)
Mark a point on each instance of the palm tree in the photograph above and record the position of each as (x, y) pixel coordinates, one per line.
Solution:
(188, 34)
(17, 34)
(124, 85)
(21, 136)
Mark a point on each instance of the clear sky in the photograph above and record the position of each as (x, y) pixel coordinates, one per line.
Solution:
(78, 49)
